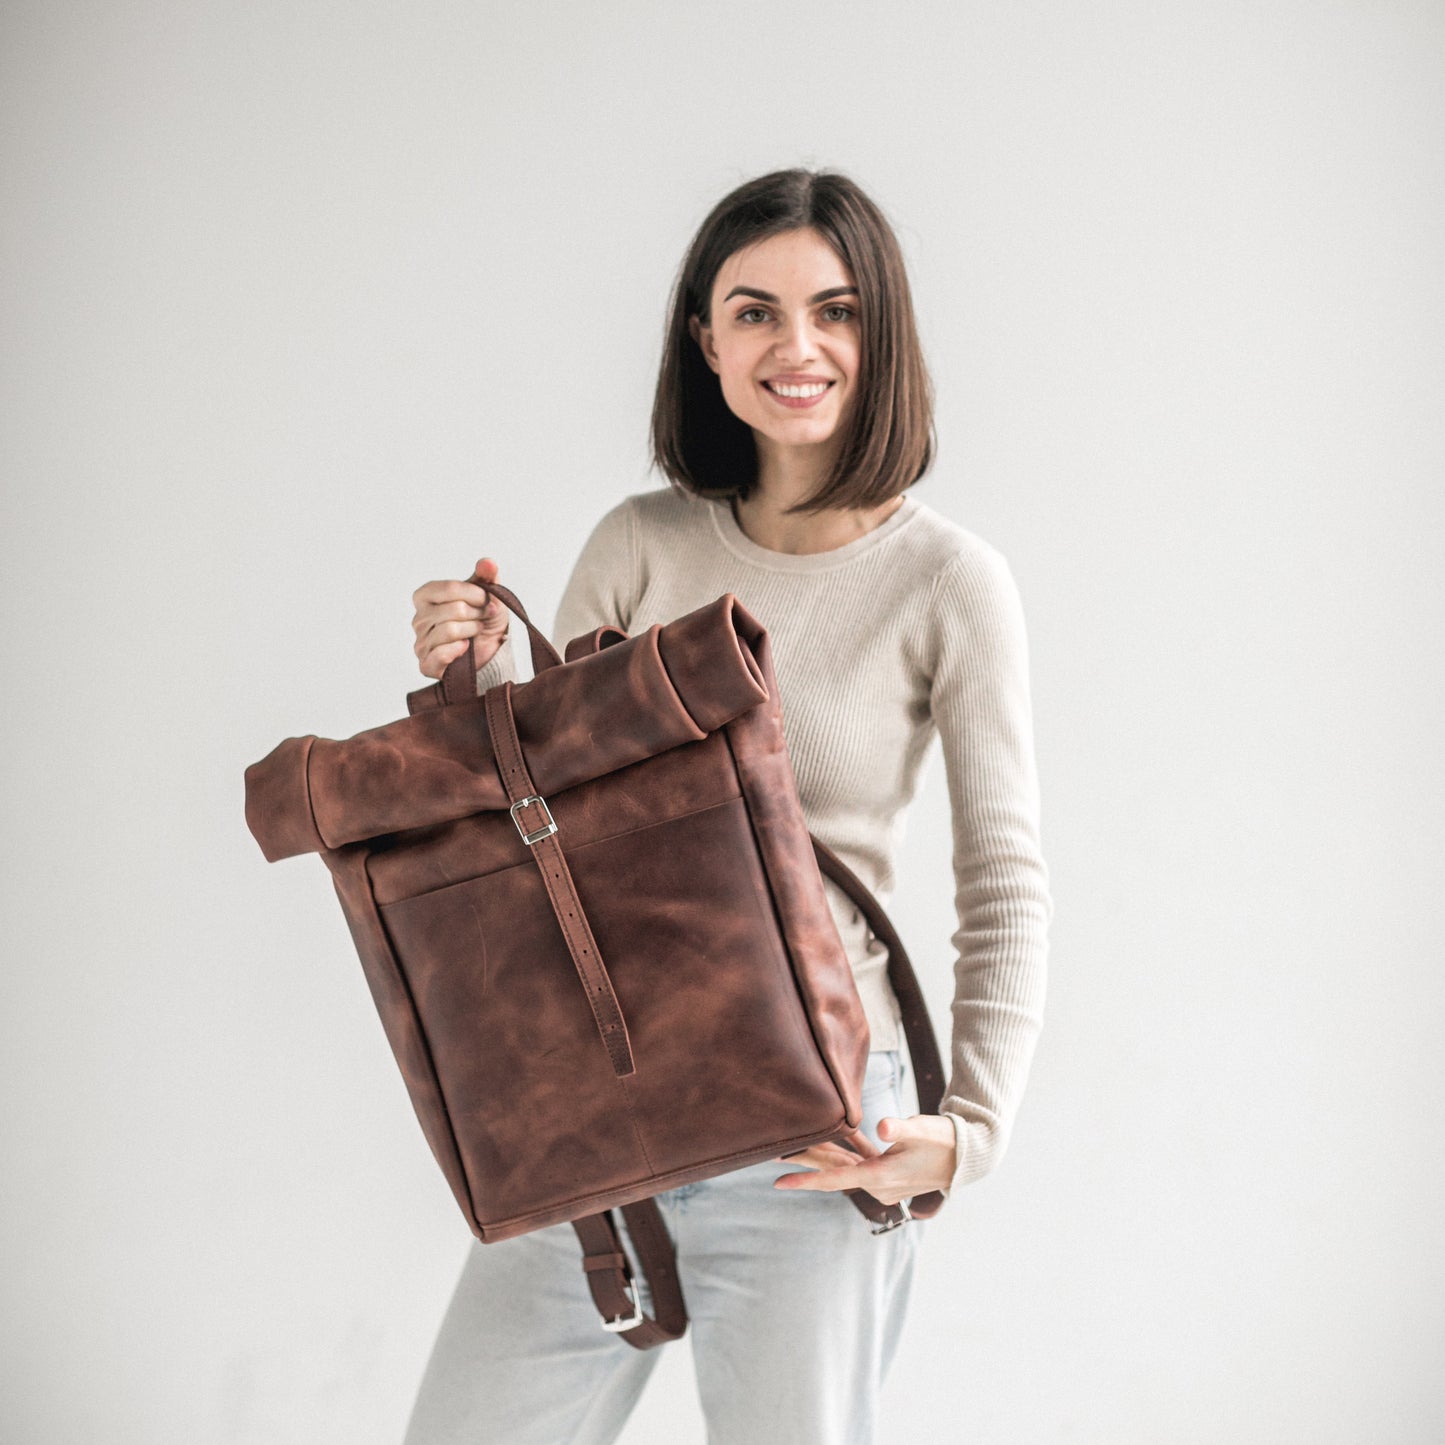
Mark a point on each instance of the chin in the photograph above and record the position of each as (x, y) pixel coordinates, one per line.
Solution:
(814, 437)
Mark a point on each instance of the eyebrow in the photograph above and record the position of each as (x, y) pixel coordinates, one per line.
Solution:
(827, 295)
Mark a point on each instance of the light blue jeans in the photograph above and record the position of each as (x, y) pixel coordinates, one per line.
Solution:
(795, 1308)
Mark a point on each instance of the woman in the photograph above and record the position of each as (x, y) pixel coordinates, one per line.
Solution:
(792, 415)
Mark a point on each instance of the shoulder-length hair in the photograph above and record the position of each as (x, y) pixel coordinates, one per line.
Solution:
(888, 442)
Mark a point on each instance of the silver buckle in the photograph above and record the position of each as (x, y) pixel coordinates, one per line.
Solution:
(893, 1224)
(626, 1322)
(546, 832)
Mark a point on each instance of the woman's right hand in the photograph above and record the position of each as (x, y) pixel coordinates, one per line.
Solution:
(450, 613)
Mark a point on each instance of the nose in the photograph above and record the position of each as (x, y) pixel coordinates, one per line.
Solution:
(796, 344)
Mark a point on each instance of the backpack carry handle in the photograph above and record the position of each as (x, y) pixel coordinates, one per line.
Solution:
(459, 681)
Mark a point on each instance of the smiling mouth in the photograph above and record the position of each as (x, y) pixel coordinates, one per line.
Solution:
(800, 391)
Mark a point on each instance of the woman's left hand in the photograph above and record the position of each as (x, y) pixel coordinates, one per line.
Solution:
(918, 1156)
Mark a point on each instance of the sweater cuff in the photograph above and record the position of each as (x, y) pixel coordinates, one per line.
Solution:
(977, 1150)
(500, 667)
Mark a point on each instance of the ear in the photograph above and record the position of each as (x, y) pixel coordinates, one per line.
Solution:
(703, 336)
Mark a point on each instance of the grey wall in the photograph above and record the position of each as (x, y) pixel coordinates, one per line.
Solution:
(307, 304)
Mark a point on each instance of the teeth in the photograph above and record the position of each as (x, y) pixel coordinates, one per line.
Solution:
(813, 388)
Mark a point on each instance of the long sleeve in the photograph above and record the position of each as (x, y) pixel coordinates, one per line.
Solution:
(980, 701)
(601, 589)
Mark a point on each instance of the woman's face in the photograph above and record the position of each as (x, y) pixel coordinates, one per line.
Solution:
(784, 338)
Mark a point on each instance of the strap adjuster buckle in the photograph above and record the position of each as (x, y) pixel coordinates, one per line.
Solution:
(893, 1223)
(626, 1322)
(544, 832)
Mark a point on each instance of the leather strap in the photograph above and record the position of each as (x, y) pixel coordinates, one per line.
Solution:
(557, 877)
(459, 679)
(609, 1274)
(458, 682)
(923, 1051)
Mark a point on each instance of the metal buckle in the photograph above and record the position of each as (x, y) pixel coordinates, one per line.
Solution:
(893, 1224)
(531, 838)
(626, 1322)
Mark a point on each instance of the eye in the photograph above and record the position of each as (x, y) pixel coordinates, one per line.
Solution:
(749, 311)
(846, 311)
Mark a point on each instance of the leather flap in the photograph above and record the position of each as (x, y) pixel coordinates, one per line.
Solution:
(672, 684)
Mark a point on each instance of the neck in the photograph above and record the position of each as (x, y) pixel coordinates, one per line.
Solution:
(785, 479)
(788, 474)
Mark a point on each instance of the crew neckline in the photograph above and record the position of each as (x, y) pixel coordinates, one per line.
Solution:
(738, 541)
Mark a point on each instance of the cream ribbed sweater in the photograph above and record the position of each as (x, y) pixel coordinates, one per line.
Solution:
(912, 631)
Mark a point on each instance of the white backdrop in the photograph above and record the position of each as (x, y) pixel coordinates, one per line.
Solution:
(305, 304)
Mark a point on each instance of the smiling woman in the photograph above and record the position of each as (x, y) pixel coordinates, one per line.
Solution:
(787, 361)
(795, 280)
(793, 414)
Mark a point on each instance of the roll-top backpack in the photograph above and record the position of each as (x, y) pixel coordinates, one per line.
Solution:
(593, 922)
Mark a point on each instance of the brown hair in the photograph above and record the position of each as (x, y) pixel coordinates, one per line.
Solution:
(888, 442)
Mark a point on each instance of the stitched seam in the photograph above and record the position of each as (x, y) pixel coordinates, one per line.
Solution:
(573, 849)
(310, 803)
(637, 1128)
(935, 642)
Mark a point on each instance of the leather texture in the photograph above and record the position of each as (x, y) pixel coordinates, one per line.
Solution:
(592, 920)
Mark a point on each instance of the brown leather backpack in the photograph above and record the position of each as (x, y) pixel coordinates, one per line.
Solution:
(592, 919)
